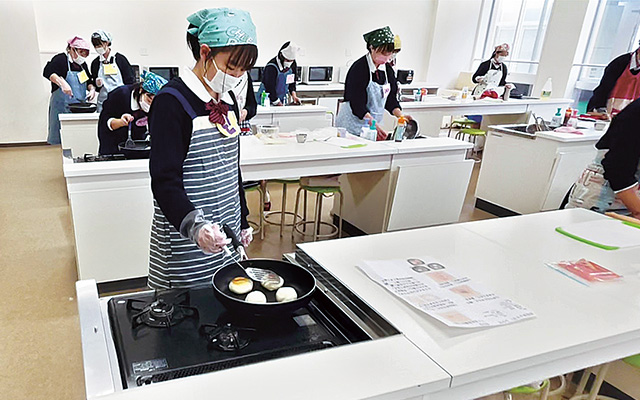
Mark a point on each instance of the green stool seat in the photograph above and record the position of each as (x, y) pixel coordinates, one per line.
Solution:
(321, 189)
(463, 121)
(633, 360)
(473, 132)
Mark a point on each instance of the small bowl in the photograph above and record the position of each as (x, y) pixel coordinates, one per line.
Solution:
(269, 130)
(301, 137)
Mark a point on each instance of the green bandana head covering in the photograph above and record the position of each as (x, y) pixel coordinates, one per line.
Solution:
(379, 36)
(220, 27)
(152, 83)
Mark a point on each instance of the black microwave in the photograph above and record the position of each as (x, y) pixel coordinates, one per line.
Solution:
(168, 72)
(320, 75)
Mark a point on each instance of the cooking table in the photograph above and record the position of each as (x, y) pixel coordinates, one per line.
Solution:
(370, 193)
(575, 326)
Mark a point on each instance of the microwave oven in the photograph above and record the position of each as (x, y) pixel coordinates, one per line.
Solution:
(320, 75)
(168, 72)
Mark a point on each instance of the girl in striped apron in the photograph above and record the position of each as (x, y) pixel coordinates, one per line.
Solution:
(194, 163)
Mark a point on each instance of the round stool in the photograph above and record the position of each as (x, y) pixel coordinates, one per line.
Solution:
(321, 192)
(269, 216)
(254, 186)
(600, 375)
(460, 123)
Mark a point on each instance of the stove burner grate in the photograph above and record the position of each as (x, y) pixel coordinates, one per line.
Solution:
(161, 312)
(227, 337)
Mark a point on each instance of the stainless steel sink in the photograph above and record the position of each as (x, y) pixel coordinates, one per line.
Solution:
(515, 129)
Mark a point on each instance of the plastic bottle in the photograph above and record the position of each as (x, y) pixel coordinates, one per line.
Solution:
(373, 132)
(546, 89)
(558, 118)
(398, 134)
(573, 121)
(567, 115)
(264, 99)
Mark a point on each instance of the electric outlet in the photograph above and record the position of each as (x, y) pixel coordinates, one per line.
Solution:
(143, 51)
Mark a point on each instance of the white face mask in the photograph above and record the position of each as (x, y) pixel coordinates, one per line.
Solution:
(101, 50)
(221, 82)
(144, 106)
(501, 58)
(287, 64)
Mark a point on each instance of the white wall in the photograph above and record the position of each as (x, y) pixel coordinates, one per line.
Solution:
(453, 40)
(153, 32)
(23, 107)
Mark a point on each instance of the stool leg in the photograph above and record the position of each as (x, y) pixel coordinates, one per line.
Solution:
(304, 212)
(583, 381)
(295, 212)
(316, 223)
(261, 225)
(284, 204)
(600, 375)
(545, 392)
(340, 216)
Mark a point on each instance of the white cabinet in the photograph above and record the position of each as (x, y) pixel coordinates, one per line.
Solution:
(524, 175)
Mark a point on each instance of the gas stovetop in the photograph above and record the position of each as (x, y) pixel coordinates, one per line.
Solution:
(171, 334)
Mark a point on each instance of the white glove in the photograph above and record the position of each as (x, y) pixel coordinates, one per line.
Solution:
(510, 86)
(211, 239)
(481, 79)
(246, 236)
(92, 95)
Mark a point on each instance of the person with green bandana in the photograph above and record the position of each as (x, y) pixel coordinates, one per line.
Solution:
(370, 86)
(195, 157)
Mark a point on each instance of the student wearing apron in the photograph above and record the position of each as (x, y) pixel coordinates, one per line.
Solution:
(492, 73)
(127, 105)
(279, 78)
(610, 182)
(194, 163)
(371, 86)
(70, 79)
(110, 69)
(619, 86)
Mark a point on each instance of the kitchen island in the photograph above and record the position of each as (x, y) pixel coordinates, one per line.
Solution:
(575, 326)
(523, 173)
(79, 132)
(429, 112)
(112, 204)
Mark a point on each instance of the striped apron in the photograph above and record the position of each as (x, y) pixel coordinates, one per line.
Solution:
(210, 177)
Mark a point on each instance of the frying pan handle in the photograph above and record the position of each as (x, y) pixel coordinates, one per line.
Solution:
(234, 239)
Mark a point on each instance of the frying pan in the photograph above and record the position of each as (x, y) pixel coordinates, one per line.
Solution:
(294, 276)
(82, 107)
(142, 149)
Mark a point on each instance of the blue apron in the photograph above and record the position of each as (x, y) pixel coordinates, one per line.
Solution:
(376, 99)
(210, 177)
(592, 191)
(59, 103)
(282, 88)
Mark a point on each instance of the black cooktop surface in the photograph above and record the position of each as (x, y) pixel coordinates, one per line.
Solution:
(176, 333)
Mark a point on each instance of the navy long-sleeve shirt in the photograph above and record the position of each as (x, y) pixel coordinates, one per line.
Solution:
(270, 76)
(623, 141)
(171, 128)
(59, 65)
(358, 78)
(609, 79)
(123, 65)
(117, 103)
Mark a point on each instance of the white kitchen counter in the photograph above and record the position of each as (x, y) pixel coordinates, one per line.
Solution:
(575, 326)
(112, 204)
(80, 117)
